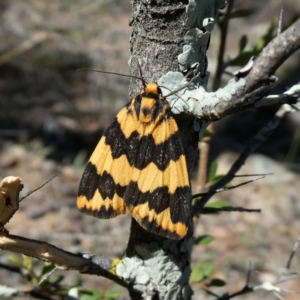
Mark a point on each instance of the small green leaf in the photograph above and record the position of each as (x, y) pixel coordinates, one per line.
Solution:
(216, 178)
(204, 240)
(28, 263)
(243, 43)
(216, 282)
(113, 294)
(44, 152)
(78, 281)
(261, 43)
(55, 280)
(196, 274)
(242, 59)
(209, 132)
(208, 268)
(80, 160)
(267, 37)
(90, 294)
(16, 259)
(48, 267)
(201, 271)
(212, 170)
(218, 204)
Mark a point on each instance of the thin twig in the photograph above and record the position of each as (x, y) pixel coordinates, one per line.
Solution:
(10, 268)
(213, 192)
(34, 190)
(203, 162)
(267, 286)
(251, 175)
(261, 136)
(279, 28)
(249, 273)
(84, 263)
(223, 25)
(294, 250)
(46, 276)
(209, 210)
(33, 41)
(273, 55)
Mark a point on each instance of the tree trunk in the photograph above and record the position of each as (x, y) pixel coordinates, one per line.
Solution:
(156, 39)
(156, 267)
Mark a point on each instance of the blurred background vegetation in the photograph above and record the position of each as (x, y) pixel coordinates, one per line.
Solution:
(52, 116)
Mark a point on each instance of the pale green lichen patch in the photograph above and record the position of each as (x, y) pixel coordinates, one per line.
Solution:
(193, 99)
(155, 268)
(194, 49)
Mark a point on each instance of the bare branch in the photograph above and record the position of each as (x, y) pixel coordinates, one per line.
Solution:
(242, 92)
(65, 260)
(37, 38)
(223, 25)
(210, 192)
(279, 29)
(209, 210)
(267, 286)
(273, 55)
(294, 250)
(262, 135)
(288, 97)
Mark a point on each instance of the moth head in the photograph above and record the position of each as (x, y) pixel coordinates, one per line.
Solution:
(152, 88)
(149, 104)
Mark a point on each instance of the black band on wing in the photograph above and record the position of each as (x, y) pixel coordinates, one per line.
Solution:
(91, 181)
(160, 199)
(141, 151)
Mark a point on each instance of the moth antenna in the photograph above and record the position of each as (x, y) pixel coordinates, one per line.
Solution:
(34, 190)
(183, 101)
(113, 73)
(182, 87)
(179, 89)
(140, 70)
(177, 96)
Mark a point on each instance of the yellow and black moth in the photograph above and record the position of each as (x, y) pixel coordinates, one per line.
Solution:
(139, 168)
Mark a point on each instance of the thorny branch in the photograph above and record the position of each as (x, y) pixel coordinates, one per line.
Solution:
(261, 136)
(10, 188)
(223, 189)
(259, 79)
(209, 210)
(273, 55)
(84, 263)
(268, 286)
(223, 25)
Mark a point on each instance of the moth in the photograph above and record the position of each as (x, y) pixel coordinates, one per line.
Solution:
(139, 168)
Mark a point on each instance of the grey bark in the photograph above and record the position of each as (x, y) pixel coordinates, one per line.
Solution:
(155, 267)
(170, 41)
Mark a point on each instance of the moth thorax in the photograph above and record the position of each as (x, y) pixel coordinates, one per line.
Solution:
(147, 109)
(152, 88)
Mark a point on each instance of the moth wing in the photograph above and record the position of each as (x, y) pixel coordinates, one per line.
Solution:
(106, 176)
(159, 195)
